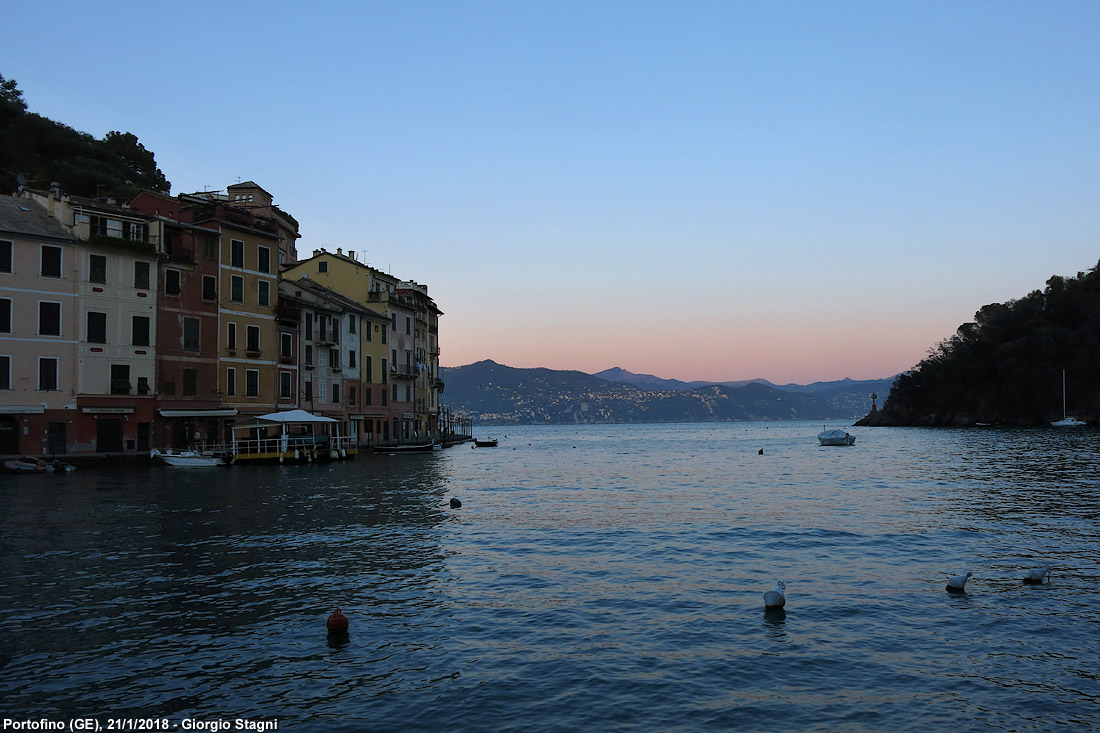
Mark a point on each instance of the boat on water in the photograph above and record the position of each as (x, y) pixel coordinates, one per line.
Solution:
(491, 443)
(408, 448)
(187, 458)
(836, 437)
(29, 464)
(1067, 421)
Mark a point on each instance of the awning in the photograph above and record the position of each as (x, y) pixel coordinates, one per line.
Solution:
(22, 409)
(226, 412)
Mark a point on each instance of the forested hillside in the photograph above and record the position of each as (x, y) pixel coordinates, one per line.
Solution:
(1005, 367)
(44, 151)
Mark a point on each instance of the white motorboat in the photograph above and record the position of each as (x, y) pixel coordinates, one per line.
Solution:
(836, 437)
(187, 458)
(1066, 421)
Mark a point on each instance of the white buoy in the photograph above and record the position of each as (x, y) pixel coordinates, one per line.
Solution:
(958, 583)
(776, 598)
(1038, 575)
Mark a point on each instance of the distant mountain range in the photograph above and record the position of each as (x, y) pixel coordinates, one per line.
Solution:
(492, 393)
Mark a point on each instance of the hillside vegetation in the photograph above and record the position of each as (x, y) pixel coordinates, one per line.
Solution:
(44, 151)
(1005, 367)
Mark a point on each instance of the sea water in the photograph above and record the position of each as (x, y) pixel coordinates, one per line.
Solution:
(594, 578)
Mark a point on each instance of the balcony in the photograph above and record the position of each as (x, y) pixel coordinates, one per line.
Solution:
(404, 373)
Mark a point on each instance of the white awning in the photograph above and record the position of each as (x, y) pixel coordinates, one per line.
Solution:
(226, 412)
(294, 416)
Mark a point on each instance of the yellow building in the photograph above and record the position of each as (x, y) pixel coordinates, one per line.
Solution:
(395, 350)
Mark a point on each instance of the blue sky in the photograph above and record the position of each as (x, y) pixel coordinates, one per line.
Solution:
(702, 190)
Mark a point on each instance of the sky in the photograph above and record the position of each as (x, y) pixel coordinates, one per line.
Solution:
(703, 190)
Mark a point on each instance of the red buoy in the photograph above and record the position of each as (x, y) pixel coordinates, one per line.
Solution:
(337, 623)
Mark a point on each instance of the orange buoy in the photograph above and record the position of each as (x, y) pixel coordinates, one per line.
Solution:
(337, 623)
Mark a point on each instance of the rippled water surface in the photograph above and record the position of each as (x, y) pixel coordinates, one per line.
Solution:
(595, 578)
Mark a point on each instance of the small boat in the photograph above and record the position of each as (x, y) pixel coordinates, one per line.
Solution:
(836, 437)
(1066, 421)
(491, 443)
(28, 464)
(187, 458)
(406, 448)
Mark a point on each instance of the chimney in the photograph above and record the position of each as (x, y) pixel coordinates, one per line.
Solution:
(352, 253)
(55, 190)
(339, 252)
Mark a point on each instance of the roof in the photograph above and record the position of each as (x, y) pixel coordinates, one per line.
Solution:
(27, 217)
(292, 416)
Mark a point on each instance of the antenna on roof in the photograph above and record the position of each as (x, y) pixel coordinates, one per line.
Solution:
(21, 180)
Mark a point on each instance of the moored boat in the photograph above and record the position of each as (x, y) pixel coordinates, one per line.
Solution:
(29, 464)
(491, 443)
(187, 458)
(836, 437)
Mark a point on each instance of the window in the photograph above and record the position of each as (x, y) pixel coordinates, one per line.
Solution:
(385, 375)
(47, 374)
(5, 315)
(286, 345)
(209, 287)
(309, 326)
(408, 325)
(139, 331)
(49, 319)
(309, 392)
(284, 384)
(351, 358)
(172, 282)
(141, 275)
(190, 382)
(143, 385)
(236, 290)
(322, 267)
(367, 397)
(209, 248)
(263, 294)
(334, 358)
(5, 372)
(322, 328)
(351, 324)
(230, 382)
(133, 230)
(97, 328)
(236, 253)
(368, 332)
(383, 334)
(351, 396)
(231, 337)
(335, 393)
(263, 263)
(5, 255)
(309, 354)
(120, 379)
(168, 388)
(97, 268)
(191, 334)
(252, 336)
(51, 261)
(322, 388)
(251, 383)
(385, 397)
(369, 369)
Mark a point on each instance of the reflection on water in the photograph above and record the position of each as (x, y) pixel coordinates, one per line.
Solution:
(593, 578)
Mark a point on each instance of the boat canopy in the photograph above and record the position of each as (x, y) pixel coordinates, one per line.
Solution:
(296, 416)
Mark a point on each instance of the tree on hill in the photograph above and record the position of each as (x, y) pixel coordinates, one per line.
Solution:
(1005, 367)
(45, 151)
